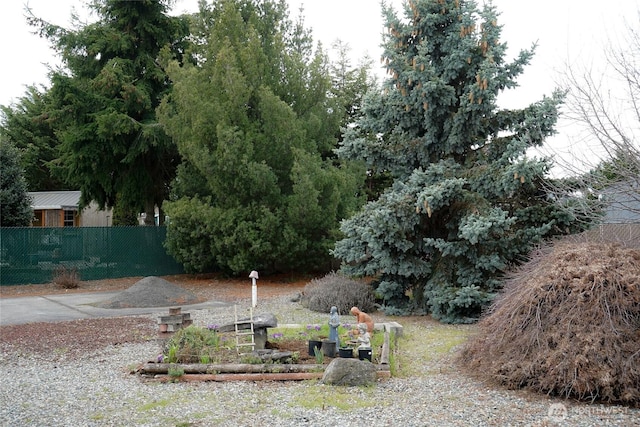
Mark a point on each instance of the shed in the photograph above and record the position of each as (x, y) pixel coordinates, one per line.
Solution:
(60, 209)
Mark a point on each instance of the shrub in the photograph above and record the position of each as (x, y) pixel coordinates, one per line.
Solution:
(191, 345)
(337, 290)
(566, 324)
(66, 277)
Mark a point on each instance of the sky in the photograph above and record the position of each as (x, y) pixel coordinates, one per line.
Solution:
(570, 32)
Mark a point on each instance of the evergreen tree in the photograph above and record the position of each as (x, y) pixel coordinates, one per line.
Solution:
(466, 201)
(15, 203)
(257, 188)
(26, 125)
(103, 105)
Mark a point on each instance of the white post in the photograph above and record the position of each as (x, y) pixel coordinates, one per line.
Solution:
(254, 288)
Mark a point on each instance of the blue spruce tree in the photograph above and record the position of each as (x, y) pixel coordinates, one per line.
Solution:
(466, 201)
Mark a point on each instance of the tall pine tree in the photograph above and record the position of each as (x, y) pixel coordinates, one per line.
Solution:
(15, 203)
(466, 201)
(26, 124)
(103, 104)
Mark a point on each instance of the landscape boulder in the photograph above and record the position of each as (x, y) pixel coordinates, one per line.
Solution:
(349, 372)
(260, 321)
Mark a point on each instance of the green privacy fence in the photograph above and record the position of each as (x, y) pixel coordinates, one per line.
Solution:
(30, 255)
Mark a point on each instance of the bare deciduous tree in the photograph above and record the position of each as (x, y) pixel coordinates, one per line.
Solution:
(605, 104)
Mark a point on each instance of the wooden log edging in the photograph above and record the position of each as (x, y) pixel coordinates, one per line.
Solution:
(267, 376)
(229, 368)
(241, 372)
(260, 372)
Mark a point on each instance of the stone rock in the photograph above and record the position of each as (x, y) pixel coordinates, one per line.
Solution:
(260, 324)
(260, 338)
(274, 356)
(296, 298)
(349, 372)
(265, 320)
(260, 321)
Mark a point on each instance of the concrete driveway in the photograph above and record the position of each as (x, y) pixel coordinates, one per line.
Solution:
(59, 307)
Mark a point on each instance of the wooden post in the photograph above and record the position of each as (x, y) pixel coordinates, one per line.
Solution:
(384, 356)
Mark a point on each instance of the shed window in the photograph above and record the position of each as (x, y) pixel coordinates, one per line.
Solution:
(68, 218)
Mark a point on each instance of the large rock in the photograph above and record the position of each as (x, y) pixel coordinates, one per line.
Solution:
(260, 324)
(349, 372)
(260, 321)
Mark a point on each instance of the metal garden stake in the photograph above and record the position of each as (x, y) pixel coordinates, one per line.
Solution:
(254, 288)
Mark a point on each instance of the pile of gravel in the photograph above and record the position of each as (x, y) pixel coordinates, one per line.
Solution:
(151, 292)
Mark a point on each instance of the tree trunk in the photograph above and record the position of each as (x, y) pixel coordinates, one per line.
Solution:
(150, 214)
(160, 216)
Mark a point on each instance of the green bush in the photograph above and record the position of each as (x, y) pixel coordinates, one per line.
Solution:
(337, 290)
(192, 345)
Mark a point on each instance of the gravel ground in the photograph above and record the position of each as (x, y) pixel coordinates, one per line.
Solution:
(78, 374)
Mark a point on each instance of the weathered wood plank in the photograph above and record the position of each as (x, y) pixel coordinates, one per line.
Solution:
(202, 368)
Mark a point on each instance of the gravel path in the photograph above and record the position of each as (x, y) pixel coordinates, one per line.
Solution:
(51, 384)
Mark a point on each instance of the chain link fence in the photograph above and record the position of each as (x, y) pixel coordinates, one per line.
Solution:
(32, 254)
(627, 234)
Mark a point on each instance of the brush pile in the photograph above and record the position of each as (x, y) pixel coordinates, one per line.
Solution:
(567, 324)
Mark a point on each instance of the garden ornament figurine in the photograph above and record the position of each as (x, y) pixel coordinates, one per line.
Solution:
(364, 339)
(362, 317)
(334, 322)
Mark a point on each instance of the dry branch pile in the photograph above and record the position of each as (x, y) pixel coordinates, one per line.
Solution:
(568, 324)
(340, 291)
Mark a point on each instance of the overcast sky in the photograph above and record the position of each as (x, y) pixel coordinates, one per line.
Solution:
(567, 31)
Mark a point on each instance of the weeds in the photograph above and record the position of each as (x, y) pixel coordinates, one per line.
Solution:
(318, 355)
(172, 356)
(343, 399)
(192, 345)
(66, 277)
(251, 359)
(175, 371)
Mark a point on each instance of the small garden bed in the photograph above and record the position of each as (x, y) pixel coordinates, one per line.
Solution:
(203, 354)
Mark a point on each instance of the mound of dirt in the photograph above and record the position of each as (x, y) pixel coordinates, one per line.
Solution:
(568, 324)
(150, 292)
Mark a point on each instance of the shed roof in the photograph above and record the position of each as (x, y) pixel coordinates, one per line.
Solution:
(54, 199)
